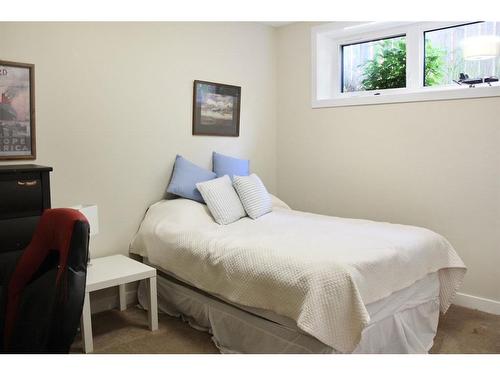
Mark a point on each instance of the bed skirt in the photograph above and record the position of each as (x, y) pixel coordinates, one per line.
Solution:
(404, 322)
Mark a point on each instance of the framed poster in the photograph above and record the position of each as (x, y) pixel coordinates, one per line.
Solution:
(17, 111)
(216, 109)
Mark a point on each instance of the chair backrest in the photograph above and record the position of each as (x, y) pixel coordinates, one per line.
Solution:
(45, 293)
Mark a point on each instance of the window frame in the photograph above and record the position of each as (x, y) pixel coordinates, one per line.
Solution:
(327, 41)
(342, 62)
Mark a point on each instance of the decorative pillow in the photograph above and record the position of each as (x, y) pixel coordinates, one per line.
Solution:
(222, 200)
(222, 165)
(185, 177)
(253, 194)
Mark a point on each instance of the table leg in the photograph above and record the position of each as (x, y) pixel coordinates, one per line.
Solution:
(153, 304)
(123, 297)
(86, 326)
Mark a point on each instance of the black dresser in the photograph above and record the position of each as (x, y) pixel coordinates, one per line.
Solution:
(24, 194)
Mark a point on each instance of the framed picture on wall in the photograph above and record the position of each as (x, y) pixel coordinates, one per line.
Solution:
(216, 109)
(17, 111)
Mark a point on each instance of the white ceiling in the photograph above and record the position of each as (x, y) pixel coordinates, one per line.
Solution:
(277, 23)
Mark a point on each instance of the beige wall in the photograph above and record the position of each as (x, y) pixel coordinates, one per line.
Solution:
(114, 101)
(432, 164)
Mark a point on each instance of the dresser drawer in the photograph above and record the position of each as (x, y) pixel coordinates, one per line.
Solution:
(24, 195)
(21, 195)
(15, 234)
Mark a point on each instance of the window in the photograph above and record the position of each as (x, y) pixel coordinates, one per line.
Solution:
(382, 62)
(444, 53)
(374, 65)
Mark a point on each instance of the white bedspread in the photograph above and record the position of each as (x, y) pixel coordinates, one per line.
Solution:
(318, 270)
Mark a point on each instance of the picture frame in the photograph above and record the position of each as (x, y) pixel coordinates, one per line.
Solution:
(17, 111)
(216, 109)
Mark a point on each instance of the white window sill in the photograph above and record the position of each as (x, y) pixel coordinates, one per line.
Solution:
(408, 95)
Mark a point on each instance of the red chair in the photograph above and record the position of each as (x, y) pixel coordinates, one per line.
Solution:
(43, 297)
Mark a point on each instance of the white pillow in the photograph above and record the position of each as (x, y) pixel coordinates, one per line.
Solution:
(253, 194)
(222, 200)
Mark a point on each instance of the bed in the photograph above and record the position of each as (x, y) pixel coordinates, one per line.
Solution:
(297, 282)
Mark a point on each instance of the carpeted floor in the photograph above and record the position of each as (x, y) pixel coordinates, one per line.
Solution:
(467, 331)
(460, 331)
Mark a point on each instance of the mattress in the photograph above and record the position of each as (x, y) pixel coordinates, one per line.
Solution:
(321, 272)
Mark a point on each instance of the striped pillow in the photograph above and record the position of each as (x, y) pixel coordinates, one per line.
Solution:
(253, 194)
(221, 200)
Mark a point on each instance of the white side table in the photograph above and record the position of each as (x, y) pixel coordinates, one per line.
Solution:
(116, 270)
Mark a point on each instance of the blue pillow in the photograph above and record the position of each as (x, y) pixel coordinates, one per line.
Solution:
(223, 165)
(185, 177)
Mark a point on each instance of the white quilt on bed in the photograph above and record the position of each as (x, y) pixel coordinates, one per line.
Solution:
(318, 270)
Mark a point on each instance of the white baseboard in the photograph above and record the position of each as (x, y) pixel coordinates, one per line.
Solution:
(478, 303)
(100, 304)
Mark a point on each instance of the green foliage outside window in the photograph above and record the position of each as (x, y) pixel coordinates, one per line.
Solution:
(433, 74)
(387, 70)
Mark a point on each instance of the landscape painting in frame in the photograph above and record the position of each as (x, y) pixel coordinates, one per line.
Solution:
(17, 110)
(216, 109)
